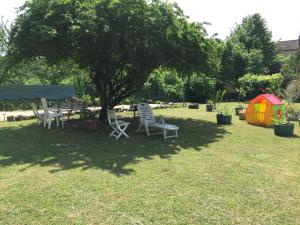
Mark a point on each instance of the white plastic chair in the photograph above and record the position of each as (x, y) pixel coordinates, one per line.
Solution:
(39, 116)
(118, 126)
(49, 116)
(149, 123)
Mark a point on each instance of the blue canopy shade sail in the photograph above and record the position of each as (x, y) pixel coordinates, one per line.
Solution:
(33, 92)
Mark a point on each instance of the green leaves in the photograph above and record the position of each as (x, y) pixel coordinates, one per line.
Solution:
(254, 84)
(119, 41)
(291, 66)
(249, 49)
(165, 84)
(3, 37)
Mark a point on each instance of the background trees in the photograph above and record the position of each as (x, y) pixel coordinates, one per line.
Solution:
(119, 42)
(118, 49)
(3, 49)
(165, 85)
(291, 67)
(249, 49)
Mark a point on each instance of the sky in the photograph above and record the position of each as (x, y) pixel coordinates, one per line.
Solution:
(282, 16)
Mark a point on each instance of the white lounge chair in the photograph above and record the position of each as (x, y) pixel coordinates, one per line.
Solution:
(149, 123)
(49, 116)
(39, 116)
(118, 126)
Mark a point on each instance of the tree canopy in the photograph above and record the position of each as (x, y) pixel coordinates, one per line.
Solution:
(249, 49)
(120, 42)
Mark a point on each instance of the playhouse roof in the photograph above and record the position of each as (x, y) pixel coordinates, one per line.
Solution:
(269, 97)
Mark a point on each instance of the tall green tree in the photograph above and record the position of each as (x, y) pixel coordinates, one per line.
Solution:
(4, 32)
(253, 34)
(291, 66)
(234, 61)
(120, 42)
(37, 71)
(3, 37)
(249, 49)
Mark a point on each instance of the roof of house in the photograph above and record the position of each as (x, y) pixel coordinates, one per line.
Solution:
(288, 45)
(31, 92)
(269, 97)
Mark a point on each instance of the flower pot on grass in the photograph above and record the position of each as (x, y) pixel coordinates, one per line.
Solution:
(90, 125)
(284, 129)
(237, 109)
(194, 106)
(209, 107)
(19, 118)
(89, 121)
(224, 119)
(242, 114)
(10, 118)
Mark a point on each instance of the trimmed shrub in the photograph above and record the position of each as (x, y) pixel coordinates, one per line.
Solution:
(251, 85)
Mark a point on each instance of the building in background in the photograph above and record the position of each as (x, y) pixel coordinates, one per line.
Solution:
(289, 47)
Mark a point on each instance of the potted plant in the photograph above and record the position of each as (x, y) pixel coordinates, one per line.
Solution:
(194, 106)
(242, 114)
(224, 115)
(209, 106)
(10, 118)
(89, 120)
(223, 112)
(237, 109)
(283, 128)
(19, 118)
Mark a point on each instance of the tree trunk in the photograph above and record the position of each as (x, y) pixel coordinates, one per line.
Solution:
(104, 108)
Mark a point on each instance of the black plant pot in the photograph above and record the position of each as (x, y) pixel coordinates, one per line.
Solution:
(284, 130)
(237, 109)
(222, 119)
(19, 118)
(209, 107)
(194, 106)
(10, 118)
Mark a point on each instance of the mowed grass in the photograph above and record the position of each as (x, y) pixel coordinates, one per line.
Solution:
(211, 174)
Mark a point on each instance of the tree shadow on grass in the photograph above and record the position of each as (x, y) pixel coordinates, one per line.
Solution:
(63, 149)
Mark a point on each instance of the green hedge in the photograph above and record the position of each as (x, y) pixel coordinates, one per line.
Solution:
(251, 85)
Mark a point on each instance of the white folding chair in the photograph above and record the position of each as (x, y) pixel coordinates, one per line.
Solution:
(49, 116)
(39, 116)
(118, 126)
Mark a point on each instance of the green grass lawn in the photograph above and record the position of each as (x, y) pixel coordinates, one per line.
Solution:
(211, 174)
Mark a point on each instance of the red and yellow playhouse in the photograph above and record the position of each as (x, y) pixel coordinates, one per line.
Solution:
(263, 109)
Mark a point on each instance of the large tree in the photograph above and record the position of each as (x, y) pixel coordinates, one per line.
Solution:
(3, 50)
(119, 41)
(253, 34)
(291, 66)
(249, 49)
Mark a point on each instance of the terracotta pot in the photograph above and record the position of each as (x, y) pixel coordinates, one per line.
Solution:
(237, 109)
(90, 125)
(242, 114)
